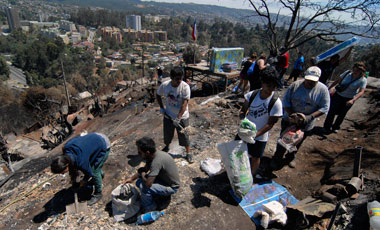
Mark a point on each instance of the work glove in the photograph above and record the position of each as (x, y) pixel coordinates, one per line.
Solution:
(176, 122)
(309, 118)
(162, 110)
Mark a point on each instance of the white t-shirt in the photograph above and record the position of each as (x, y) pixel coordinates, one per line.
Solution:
(174, 98)
(258, 112)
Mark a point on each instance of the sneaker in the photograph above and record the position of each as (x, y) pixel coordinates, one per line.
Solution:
(292, 163)
(189, 158)
(95, 198)
(166, 149)
(335, 131)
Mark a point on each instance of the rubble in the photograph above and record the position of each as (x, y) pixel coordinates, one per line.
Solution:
(203, 202)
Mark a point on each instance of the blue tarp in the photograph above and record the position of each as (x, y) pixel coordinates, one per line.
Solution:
(263, 193)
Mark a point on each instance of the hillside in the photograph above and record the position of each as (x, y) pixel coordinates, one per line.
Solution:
(203, 202)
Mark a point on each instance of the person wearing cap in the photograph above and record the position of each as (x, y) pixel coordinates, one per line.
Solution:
(309, 97)
(176, 113)
(328, 66)
(349, 88)
(262, 114)
(84, 157)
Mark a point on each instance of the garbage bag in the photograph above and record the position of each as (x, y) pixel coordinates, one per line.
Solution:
(211, 166)
(247, 131)
(235, 159)
(125, 202)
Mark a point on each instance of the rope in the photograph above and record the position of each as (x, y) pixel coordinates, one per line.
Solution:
(28, 192)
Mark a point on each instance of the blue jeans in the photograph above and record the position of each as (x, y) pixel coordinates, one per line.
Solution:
(156, 189)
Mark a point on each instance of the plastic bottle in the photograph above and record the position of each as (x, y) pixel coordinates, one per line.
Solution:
(149, 217)
(374, 215)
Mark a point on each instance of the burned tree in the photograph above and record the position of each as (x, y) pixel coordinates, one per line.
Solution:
(310, 19)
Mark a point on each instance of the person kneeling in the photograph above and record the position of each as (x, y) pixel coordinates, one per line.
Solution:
(158, 177)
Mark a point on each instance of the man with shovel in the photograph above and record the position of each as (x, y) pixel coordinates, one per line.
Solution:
(176, 113)
(84, 157)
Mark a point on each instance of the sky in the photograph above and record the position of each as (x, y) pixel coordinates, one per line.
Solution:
(239, 4)
(244, 4)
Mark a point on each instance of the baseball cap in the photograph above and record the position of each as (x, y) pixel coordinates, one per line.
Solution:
(313, 73)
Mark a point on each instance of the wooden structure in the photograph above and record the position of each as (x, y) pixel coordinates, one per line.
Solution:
(208, 75)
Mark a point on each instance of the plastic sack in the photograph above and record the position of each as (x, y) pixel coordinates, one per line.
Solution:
(374, 215)
(247, 131)
(235, 159)
(211, 166)
(290, 137)
(125, 202)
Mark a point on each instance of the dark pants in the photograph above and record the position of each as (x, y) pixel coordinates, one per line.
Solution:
(281, 76)
(280, 150)
(338, 108)
(183, 137)
(294, 74)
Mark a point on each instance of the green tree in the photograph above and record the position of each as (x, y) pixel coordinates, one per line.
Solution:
(191, 53)
(4, 69)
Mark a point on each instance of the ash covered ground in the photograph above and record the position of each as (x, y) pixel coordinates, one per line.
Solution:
(203, 202)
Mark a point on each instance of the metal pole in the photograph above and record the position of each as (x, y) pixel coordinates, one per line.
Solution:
(332, 220)
(64, 82)
(142, 62)
(358, 161)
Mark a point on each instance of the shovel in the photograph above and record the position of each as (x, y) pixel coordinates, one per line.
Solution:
(76, 207)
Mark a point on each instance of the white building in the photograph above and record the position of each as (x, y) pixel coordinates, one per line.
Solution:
(133, 22)
(75, 37)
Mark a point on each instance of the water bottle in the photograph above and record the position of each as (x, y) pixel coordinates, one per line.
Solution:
(374, 215)
(149, 217)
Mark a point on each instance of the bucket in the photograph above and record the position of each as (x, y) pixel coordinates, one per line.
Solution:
(353, 185)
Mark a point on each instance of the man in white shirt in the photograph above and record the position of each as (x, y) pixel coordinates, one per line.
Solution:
(176, 113)
(264, 110)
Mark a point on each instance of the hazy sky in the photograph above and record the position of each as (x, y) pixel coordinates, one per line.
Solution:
(240, 4)
(244, 4)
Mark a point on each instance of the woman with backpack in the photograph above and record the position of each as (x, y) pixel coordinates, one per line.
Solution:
(348, 88)
(244, 75)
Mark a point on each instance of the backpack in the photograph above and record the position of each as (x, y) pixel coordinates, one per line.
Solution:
(251, 69)
(271, 103)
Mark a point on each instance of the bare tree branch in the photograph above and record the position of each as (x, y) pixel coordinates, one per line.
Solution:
(310, 19)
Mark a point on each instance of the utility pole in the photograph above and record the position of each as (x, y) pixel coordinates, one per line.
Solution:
(142, 64)
(64, 82)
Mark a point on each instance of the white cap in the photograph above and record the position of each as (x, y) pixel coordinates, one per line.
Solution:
(313, 73)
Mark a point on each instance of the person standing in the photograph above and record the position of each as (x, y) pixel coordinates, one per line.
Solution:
(309, 97)
(283, 65)
(254, 79)
(264, 110)
(298, 65)
(349, 88)
(244, 75)
(328, 66)
(176, 113)
(84, 154)
(159, 176)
